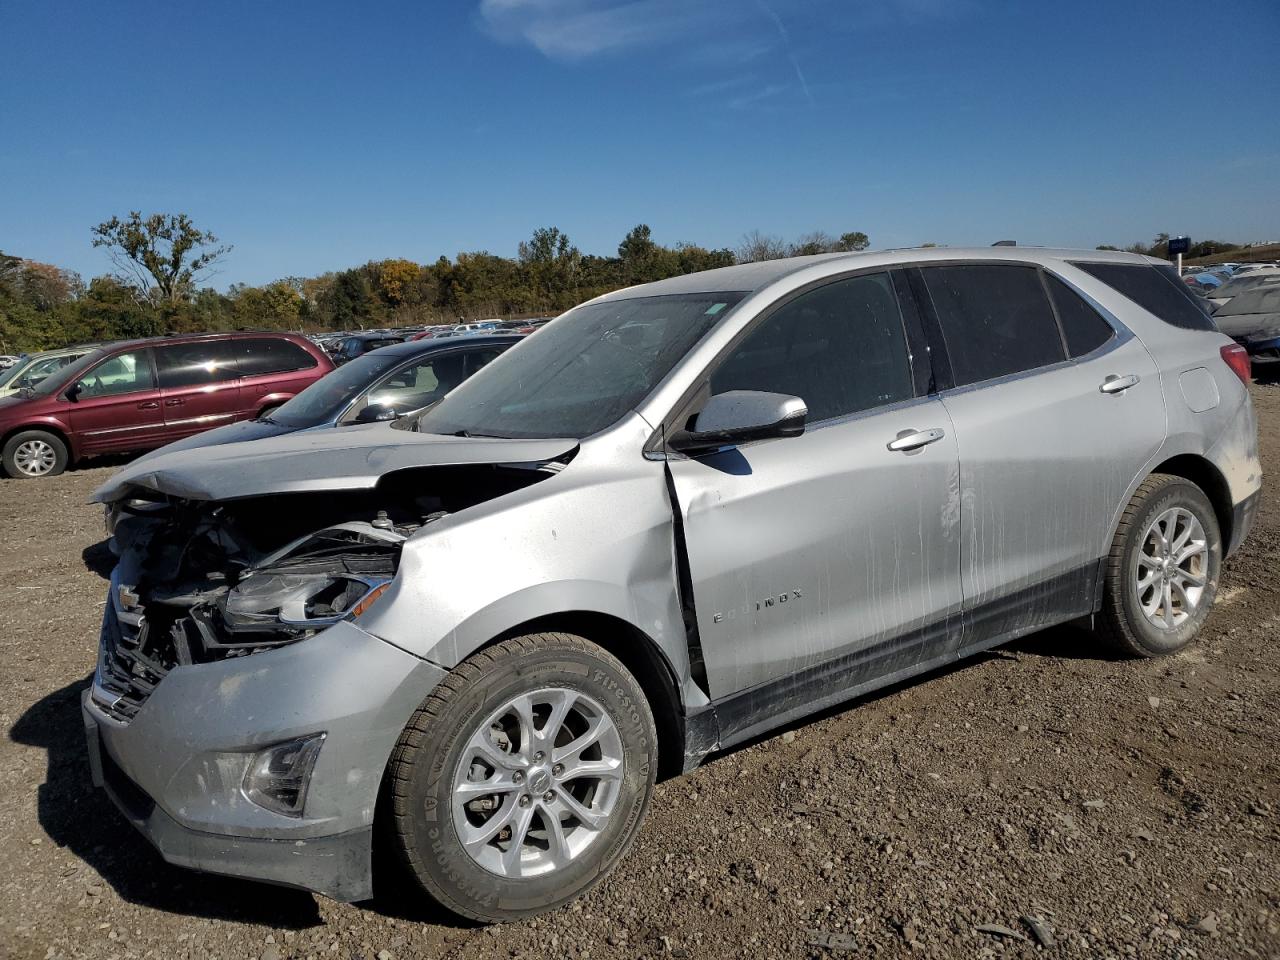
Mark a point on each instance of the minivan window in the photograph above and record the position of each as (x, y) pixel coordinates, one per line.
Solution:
(581, 373)
(192, 364)
(995, 319)
(1156, 289)
(262, 355)
(122, 373)
(1083, 327)
(841, 348)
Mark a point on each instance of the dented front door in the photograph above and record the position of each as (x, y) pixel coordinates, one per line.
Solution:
(828, 552)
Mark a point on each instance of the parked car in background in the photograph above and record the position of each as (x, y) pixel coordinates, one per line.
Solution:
(1238, 285)
(685, 513)
(7, 360)
(358, 344)
(378, 386)
(141, 394)
(34, 367)
(1252, 319)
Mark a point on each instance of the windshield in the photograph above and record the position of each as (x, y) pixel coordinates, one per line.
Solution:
(581, 373)
(327, 397)
(6, 376)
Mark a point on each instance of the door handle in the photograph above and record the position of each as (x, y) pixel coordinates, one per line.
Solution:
(915, 439)
(1118, 384)
(148, 405)
(174, 402)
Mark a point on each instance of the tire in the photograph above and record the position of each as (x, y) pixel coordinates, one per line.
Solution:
(483, 880)
(1142, 622)
(34, 455)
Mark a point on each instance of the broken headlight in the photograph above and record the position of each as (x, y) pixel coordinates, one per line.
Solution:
(267, 601)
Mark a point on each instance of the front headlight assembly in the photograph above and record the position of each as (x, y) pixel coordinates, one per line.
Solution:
(268, 601)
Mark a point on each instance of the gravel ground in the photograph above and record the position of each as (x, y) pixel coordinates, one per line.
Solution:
(1045, 798)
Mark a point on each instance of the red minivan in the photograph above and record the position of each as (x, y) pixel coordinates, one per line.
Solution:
(141, 394)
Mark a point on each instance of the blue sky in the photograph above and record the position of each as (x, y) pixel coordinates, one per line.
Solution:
(319, 135)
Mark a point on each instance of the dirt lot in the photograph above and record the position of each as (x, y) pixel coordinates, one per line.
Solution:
(1132, 808)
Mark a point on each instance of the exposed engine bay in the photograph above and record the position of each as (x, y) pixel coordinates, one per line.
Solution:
(200, 581)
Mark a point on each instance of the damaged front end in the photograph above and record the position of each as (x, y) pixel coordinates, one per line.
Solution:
(193, 586)
(200, 581)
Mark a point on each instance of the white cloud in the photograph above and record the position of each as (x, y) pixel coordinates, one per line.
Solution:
(574, 29)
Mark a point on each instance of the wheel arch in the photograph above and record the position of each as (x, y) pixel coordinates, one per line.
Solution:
(57, 429)
(1204, 474)
(640, 655)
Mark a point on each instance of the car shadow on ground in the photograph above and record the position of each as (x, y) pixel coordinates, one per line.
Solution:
(83, 820)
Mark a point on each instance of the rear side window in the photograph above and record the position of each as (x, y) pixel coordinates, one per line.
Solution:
(1156, 289)
(1084, 328)
(995, 319)
(192, 364)
(262, 355)
(841, 348)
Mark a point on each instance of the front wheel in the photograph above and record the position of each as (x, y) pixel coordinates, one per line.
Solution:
(1162, 573)
(33, 454)
(523, 779)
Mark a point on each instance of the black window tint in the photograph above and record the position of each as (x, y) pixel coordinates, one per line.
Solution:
(995, 318)
(271, 355)
(477, 359)
(840, 348)
(1156, 289)
(1083, 326)
(191, 364)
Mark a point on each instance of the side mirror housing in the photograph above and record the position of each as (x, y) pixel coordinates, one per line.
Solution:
(376, 413)
(73, 392)
(740, 416)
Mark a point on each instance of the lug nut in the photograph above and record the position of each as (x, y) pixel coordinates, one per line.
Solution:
(558, 769)
(525, 800)
(548, 796)
(518, 777)
(539, 757)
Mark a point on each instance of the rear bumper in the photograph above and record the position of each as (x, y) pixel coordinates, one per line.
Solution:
(336, 866)
(1243, 515)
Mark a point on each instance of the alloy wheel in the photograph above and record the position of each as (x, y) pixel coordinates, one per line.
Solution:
(537, 782)
(1170, 568)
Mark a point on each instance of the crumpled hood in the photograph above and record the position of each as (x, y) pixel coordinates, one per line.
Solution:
(353, 458)
(231, 433)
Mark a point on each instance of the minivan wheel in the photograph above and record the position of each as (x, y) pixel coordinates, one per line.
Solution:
(1162, 572)
(524, 777)
(33, 454)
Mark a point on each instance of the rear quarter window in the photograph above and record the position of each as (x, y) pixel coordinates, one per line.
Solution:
(265, 355)
(1157, 290)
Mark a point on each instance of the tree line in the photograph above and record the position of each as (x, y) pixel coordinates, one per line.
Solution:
(164, 263)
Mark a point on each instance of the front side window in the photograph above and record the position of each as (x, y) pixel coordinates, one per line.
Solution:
(995, 319)
(841, 348)
(122, 373)
(1083, 327)
(420, 383)
(194, 364)
(324, 400)
(582, 373)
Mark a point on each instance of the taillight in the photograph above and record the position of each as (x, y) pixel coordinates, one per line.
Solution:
(1237, 358)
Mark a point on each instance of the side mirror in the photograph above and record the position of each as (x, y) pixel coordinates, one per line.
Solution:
(376, 413)
(740, 416)
(73, 391)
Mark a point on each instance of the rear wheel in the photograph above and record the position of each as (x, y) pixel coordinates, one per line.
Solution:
(33, 454)
(1162, 572)
(522, 780)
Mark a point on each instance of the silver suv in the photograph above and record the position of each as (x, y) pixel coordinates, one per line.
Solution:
(682, 514)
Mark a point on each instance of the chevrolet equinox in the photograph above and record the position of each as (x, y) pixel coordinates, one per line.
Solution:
(681, 515)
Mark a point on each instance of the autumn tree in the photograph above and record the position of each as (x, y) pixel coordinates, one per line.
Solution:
(162, 256)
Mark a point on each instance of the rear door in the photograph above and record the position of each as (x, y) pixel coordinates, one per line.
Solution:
(272, 370)
(199, 386)
(822, 561)
(1056, 409)
(116, 405)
